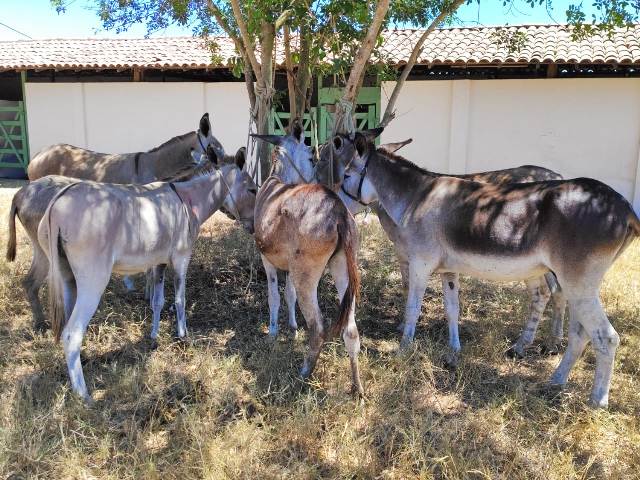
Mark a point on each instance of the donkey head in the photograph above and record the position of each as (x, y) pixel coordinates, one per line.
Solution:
(292, 160)
(241, 198)
(206, 139)
(351, 153)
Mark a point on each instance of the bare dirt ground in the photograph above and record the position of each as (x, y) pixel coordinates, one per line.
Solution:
(229, 404)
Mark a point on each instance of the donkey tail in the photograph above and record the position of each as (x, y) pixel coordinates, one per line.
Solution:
(634, 222)
(55, 280)
(11, 243)
(348, 242)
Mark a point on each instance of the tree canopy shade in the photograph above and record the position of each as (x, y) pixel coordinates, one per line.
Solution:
(329, 37)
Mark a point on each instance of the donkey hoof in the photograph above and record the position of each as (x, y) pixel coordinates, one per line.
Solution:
(550, 350)
(515, 352)
(405, 345)
(305, 372)
(152, 343)
(599, 402)
(452, 359)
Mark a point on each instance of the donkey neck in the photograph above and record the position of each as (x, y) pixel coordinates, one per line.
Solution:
(167, 159)
(203, 194)
(398, 184)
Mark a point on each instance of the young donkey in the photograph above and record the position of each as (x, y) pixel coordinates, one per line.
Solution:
(91, 229)
(573, 228)
(538, 288)
(301, 229)
(31, 201)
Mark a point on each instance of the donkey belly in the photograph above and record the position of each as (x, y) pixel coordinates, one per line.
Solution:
(493, 267)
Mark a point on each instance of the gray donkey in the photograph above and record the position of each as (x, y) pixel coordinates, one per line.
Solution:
(540, 289)
(572, 228)
(92, 229)
(138, 167)
(173, 158)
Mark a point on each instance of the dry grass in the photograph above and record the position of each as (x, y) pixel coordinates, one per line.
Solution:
(230, 405)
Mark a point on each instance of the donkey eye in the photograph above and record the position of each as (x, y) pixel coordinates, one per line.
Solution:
(253, 191)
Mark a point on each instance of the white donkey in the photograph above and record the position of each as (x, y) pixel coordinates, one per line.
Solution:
(573, 228)
(92, 229)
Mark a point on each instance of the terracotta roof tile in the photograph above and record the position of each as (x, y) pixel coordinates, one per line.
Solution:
(543, 43)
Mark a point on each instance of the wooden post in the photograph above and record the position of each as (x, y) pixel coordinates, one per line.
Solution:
(138, 74)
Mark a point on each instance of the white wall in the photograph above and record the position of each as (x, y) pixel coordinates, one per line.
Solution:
(129, 117)
(577, 127)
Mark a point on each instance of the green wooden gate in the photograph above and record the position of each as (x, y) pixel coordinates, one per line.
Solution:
(14, 146)
(321, 117)
(367, 112)
(279, 121)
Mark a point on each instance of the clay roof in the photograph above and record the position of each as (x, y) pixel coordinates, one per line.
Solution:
(478, 45)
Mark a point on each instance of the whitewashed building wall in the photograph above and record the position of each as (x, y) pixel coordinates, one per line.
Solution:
(577, 127)
(130, 117)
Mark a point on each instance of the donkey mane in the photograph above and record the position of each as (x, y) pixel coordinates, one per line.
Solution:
(171, 141)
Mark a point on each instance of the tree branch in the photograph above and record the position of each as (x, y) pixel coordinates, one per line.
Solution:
(246, 40)
(343, 118)
(289, 65)
(389, 113)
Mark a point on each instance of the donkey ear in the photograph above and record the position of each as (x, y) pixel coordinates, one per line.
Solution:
(205, 125)
(274, 139)
(394, 147)
(372, 133)
(361, 143)
(241, 157)
(337, 142)
(212, 155)
(296, 130)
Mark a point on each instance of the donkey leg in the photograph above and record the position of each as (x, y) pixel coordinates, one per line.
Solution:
(32, 283)
(605, 341)
(179, 284)
(403, 262)
(157, 298)
(89, 293)
(418, 275)
(554, 340)
(148, 284)
(338, 266)
(128, 283)
(577, 340)
(540, 294)
(274, 296)
(305, 280)
(451, 292)
(291, 298)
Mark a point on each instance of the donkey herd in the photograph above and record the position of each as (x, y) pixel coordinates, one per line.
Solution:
(89, 214)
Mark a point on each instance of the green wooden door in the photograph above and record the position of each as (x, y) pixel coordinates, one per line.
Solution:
(367, 111)
(14, 147)
(280, 120)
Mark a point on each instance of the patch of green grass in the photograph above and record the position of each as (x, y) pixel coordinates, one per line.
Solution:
(229, 404)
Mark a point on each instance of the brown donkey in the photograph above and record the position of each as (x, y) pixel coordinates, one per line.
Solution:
(302, 229)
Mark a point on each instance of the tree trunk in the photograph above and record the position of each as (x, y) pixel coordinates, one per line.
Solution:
(344, 109)
(264, 95)
(389, 113)
(303, 78)
(291, 86)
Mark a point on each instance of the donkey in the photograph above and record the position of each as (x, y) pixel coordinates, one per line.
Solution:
(572, 228)
(140, 167)
(302, 229)
(540, 289)
(91, 229)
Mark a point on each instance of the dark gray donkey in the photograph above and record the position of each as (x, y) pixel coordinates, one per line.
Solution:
(573, 228)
